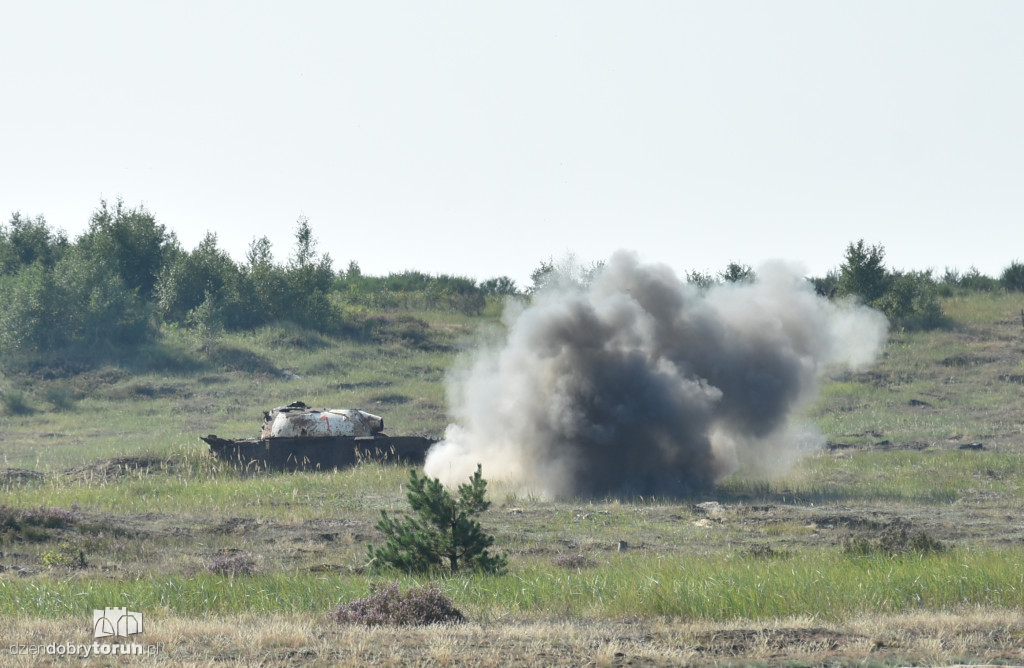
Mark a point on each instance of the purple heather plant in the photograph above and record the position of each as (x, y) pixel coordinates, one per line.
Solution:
(570, 561)
(390, 606)
(233, 564)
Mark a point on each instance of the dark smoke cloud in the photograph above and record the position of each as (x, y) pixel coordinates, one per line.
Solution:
(642, 384)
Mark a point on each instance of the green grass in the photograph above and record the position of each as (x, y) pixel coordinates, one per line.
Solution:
(928, 476)
(732, 586)
(821, 583)
(943, 387)
(199, 489)
(978, 308)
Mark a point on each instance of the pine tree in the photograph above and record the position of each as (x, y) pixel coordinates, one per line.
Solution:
(864, 273)
(443, 533)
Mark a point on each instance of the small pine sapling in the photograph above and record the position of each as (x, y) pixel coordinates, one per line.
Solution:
(443, 533)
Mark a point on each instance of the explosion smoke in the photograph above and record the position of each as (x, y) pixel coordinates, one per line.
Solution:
(642, 384)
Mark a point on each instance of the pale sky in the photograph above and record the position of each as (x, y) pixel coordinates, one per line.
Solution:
(479, 138)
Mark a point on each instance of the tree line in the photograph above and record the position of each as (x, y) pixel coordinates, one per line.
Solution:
(910, 299)
(127, 276)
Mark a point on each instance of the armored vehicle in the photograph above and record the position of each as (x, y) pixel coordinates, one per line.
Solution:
(299, 437)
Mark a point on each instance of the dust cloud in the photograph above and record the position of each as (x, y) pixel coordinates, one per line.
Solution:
(641, 383)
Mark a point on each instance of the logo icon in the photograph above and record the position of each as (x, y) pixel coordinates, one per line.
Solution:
(116, 622)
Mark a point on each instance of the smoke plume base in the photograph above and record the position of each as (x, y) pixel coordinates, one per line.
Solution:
(641, 383)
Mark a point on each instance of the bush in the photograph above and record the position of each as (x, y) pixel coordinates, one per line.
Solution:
(827, 285)
(66, 555)
(977, 281)
(32, 524)
(15, 402)
(443, 534)
(972, 281)
(389, 606)
(863, 274)
(416, 290)
(25, 241)
(190, 280)
(51, 518)
(31, 319)
(568, 272)
(233, 564)
(61, 397)
(909, 299)
(206, 321)
(130, 243)
(912, 301)
(78, 302)
(766, 551)
(571, 561)
(893, 540)
(735, 272)
(1012, 277)
(502, 286)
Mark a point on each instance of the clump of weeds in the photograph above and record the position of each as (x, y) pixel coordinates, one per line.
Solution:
(391, 607)
(572, 561)
(33, 524)
(894, 539)
(241, 563)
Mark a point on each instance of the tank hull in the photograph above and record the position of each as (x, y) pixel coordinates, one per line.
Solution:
(323, 453)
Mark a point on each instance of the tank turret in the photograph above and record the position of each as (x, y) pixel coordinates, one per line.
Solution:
(298, 420)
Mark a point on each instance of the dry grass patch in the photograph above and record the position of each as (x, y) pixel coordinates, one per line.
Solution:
(967, 636)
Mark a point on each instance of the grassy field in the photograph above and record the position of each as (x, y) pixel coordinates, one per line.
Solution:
(901, 542)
